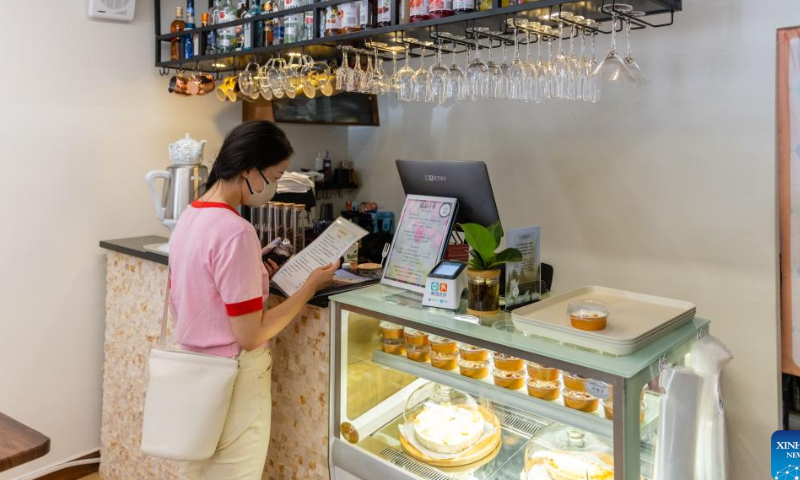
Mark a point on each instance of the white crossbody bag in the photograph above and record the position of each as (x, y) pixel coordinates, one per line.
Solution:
(188, 395)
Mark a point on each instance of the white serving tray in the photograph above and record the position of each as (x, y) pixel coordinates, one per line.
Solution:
(634, 319)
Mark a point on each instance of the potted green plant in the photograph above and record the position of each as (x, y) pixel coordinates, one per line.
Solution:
(483, 274)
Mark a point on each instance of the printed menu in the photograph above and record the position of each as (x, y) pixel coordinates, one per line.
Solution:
(419, 241)
(327, 248)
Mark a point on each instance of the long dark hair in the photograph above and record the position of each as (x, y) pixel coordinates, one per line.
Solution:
(258, 144)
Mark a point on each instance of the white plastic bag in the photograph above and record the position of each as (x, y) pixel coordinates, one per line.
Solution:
(677, 429)
(709, 357)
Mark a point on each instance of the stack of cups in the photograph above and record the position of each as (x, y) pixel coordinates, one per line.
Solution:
(473, 361)
(418, 347)
(575, 394)
(444, 353)
(392, 338)
(508, 371)
(543, 382)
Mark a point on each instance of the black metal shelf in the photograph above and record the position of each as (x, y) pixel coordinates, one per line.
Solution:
(397, 33)
(335, 186)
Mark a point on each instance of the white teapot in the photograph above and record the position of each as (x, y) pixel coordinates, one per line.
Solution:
(186, 151)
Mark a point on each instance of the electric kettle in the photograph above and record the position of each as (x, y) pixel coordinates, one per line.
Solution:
(183, 182)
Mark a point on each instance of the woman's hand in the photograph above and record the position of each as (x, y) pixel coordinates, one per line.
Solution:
(322, 276)
(271, 266)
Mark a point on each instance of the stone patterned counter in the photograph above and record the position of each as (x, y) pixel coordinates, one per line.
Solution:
(299, 435)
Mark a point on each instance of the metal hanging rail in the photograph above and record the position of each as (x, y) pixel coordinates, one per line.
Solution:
(497, 24)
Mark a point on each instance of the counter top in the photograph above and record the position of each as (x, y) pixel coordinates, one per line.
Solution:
(20, 443)
(404, 307)
(134, 247)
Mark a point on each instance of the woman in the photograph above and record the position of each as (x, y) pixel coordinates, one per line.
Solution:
(218, 287)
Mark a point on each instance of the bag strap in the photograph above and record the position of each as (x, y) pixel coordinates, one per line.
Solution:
(162, 338)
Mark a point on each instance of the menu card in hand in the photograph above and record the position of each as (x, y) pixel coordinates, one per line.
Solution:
(327, 248)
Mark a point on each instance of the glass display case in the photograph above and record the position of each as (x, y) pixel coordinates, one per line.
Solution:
(424, 393)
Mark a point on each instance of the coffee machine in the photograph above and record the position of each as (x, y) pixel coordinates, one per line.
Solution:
(183, 182)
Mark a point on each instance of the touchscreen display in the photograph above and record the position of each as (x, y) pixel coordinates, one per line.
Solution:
(447, 269)
(419, 241)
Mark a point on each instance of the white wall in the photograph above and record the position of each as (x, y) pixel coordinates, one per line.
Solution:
(84, 116)
(668, 189)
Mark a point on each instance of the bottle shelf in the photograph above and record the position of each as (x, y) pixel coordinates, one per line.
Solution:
(326, 47)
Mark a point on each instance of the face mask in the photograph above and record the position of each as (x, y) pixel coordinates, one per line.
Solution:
(265, 195)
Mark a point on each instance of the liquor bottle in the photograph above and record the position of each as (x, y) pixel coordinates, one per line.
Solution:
(384, 13)
(463, 6)
(333, 21)
(440, 8)
(177, 25)
(349, 13)
(277, 31)
(366, 17)
(291, 24)
(240, 11)
(211, 40)
(419, 10)
(188, 40)
(226, 36)
(267, 34)
(255, 9)
(308, 31)
(198, 43)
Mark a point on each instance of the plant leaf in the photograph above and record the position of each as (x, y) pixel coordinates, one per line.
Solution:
(477, 262)
(506, 256)
(476, 265)
(481, 240)
(497, 231)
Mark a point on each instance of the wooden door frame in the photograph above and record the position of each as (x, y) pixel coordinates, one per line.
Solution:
(784, 156)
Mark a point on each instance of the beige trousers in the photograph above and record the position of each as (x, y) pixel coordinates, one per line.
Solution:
(242, 449)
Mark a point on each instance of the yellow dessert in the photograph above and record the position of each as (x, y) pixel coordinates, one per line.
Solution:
(472, 353)
(541, 372)
(390, 331)
(418, 354)
(580, 401)
(608, 410)
(448, 429)
(574, 382)
(507, 362)
(415, 337)
(395, 347)
(570, 466)
(445, 361)
(474, 369)
(508, 379)
(442, 345)
(544, 389)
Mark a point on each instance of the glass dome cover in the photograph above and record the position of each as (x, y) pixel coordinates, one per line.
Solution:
(559, 452)
(442, 419)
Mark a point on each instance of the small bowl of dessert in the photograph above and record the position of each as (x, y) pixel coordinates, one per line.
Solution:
(589, 315)
(442, 345)
(395, 347)
(540, 372)
(415, 337)
(390, 331)
(573, 381)
(608, 410)
(444, 361)
(509, 379)
(507, 362)
(543, 389)
(472, 353)
(580, 400)
(476, 369)
(418, 353)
